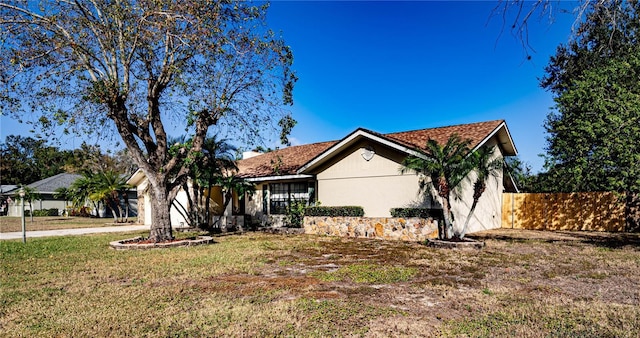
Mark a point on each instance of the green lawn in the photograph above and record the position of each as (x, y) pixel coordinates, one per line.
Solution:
(11, 224)
(523, 283)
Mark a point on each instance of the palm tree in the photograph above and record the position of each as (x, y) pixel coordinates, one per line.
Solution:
(106, 187)
(485, 166)
(230, 184)
(65, 194)
(446, 166)
(218, 159)
(81, 189)
(30, 195)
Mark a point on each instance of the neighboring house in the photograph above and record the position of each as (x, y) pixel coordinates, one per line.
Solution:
(46, 188)
(5, 201)
(362, 169)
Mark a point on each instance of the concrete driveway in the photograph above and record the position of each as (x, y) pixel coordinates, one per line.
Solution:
(72, 232)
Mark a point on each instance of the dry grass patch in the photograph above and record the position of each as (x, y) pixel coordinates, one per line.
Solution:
(521, 284)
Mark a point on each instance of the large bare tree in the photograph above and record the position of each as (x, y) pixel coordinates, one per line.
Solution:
(140, 66)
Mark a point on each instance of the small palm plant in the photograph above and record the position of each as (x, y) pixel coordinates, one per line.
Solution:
(446, 166)
(486, 165)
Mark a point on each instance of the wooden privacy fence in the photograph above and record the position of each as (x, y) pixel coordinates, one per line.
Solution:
(591, 211)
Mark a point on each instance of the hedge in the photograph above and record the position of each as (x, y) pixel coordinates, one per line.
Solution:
(43, 212)
(417, 212)
(345, 211)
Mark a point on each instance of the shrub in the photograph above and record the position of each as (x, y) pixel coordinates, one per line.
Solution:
(417, 212)
(345, 211)
(295, 214)
(45, 212)
(82, 212)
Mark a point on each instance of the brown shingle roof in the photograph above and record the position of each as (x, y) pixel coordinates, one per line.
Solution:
(476, 132)
(288, 160)
(281, 162)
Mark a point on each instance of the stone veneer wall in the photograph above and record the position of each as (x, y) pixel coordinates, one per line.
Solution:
(393, 228)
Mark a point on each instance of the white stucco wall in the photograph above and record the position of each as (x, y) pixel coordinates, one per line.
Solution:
(177, 220)
(145, 216)
(488, 213)
(377, 184)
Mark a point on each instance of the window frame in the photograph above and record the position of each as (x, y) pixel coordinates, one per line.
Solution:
(282, 194)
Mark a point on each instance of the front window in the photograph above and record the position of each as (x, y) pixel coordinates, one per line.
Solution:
(283, 194)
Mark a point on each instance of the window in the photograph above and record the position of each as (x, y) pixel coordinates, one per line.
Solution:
(283, 194)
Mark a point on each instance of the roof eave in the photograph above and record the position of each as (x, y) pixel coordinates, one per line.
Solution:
(137, 178)
(277, 178)
(504, 138)
(348, 141)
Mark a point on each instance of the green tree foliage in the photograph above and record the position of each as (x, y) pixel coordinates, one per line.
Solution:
(594, 131)
(217, 162)
(214, 167)
(524, 178)
(80, 190)
(444, 167)
(93, 158)
(136, 66)
(26, 160)
(106, 188)
(65, 194)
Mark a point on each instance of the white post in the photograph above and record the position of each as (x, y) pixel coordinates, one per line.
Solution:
(24, 227)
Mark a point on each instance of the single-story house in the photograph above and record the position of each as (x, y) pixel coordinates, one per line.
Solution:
(46, 188)
(364, 169)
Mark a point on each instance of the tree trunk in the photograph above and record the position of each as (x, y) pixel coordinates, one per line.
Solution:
(466, 222)
(208, 203)
(126, 206)
(160, 217)
(113, 213)
(448, 221)
(226, 199)
(478, 190)
(120, 213)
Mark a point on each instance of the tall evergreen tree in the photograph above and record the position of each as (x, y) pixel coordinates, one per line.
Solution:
(594, 130)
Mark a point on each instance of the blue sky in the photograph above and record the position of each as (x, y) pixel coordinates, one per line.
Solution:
(395, 66)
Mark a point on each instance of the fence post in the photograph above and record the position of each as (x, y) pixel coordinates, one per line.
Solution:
(512, 209)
